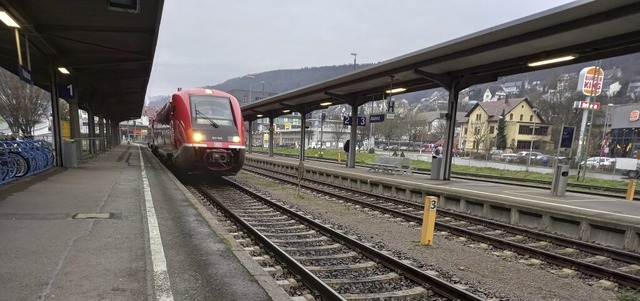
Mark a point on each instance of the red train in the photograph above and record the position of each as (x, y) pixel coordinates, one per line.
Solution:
(201, 131)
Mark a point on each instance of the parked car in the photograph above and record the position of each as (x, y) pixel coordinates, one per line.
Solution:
(598, 161)
(496, 152)
(508, 157)
(533, 155)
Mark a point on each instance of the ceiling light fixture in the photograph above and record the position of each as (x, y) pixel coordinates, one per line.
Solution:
(129, 6)
(63, 70)
(7, 19)
(324, 104)
(396, 90)
(552, 60)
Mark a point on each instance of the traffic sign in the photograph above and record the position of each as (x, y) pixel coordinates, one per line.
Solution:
(362, 121)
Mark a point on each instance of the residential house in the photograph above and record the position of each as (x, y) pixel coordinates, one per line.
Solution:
(494, 93)
(435, 122)
(514, 88)
(478, 128)
(634, 88)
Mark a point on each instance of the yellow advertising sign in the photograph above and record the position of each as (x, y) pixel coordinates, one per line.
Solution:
(66, 129)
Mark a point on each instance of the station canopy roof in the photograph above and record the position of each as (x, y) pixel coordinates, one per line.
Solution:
(590, 30)
(106, 45)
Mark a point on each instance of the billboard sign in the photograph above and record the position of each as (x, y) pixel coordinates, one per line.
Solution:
(586, 105)
(590, 81)
(567, 137)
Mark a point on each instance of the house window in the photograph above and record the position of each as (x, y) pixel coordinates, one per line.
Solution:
(491, 129)
(477, 131)
(465, 131)
(528, 130)
(521, 117)
(531, 118)
(478, 117)
(511, 116)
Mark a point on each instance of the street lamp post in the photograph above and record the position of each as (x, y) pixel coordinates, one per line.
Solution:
(323, 116)
(372, 142)
(134, 131)
(262, 82)
(606, 121)
(250, 86)
(533, 134)
(354, 60)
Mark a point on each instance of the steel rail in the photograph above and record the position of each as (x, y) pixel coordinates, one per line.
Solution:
(442, 287)
(307, 277)
(523, 182)
(560, 260)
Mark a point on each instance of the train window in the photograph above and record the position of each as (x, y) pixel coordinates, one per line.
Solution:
(211, 110)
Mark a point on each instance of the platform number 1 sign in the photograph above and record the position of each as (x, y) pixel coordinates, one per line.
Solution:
(65, 91)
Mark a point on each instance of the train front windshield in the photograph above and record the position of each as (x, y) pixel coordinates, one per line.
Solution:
(211, 111)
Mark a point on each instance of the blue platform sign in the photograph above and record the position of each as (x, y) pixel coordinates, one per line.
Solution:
(376, 118)
(362, 121)
(567, 137)
(65, 91)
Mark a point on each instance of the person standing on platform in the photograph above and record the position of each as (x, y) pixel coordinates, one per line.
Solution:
(346, 150)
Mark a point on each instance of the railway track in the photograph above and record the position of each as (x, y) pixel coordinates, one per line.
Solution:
(524, 182)
(590, 259)
(332, 265)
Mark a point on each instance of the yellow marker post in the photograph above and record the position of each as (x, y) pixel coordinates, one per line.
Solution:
(631, 189)
(428, 220)
(339, 157)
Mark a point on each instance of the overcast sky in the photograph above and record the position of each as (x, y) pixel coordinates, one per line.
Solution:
(205, 42)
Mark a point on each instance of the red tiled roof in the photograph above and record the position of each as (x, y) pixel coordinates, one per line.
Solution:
(495, 108)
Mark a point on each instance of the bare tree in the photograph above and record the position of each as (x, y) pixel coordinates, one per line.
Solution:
(556, 105)
(390, 129)
(479, 132)
(362, 133)
(63, 109)
(22, 106)
(438, 127)
(338, 130)
(416, 128)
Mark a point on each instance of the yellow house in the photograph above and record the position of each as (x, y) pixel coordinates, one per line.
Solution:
(523, 124)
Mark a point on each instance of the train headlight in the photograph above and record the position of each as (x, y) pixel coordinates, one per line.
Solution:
(197, 137)
(235, 139)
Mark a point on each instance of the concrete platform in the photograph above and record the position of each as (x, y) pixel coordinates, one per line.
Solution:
(119, 227)
(608, 220)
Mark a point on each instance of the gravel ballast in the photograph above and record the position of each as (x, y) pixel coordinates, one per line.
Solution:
(505, 279)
